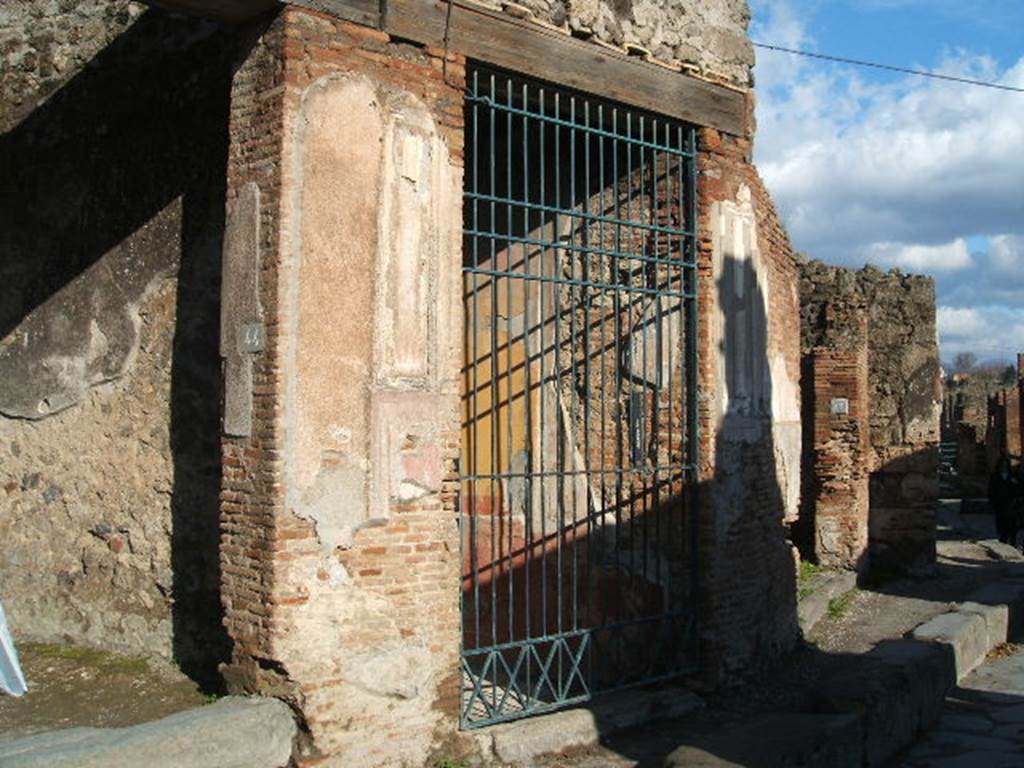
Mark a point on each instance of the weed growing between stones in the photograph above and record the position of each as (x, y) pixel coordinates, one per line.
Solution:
(838, 606)
(807, 571)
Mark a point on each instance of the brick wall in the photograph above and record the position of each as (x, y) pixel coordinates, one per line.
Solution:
(904, 398)
(251, 508)
(841, 459)
(349, 609)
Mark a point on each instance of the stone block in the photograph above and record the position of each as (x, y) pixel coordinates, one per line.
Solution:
(899, 690)
(520, 743)
(239, 305)
(233, 733)
(996, 617)
(1010, 594)
(966, 633)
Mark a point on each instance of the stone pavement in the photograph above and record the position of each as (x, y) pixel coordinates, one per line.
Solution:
(982, 725)
(865, 662)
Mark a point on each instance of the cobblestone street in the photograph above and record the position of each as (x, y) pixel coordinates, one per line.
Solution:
(983, 722)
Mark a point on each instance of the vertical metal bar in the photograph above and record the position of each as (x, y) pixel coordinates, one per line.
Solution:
(632, 311)
(495, 414)
(475, 423)
(646, 435)
(621, 415)
(573, 311)
(528, 390)
(542, 288)
(602, 361)
(587, 352)
(560, 449)
(659, 331)
(694, 458)
(669, 557)
(509, 393)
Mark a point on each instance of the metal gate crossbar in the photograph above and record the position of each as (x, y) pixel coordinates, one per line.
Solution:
(579, 421)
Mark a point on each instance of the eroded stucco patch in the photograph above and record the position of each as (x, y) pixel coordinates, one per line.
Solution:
(372, 325)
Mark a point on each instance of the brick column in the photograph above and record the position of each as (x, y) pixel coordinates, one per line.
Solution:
(340, 544)
(841, 449)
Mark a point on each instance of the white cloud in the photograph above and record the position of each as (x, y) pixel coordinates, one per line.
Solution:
(913, 161)
(1006, 253)
(957, 322)
(947, 257)
(903, 172)
(991, 332)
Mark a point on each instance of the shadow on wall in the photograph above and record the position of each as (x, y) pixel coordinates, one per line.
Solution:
(596, 579)
(114, 183)
(748, 561)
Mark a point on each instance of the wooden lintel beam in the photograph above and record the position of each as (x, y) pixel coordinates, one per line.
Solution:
(521, 46)
(531, 49)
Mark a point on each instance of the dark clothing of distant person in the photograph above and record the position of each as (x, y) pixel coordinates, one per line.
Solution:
(1003, 491)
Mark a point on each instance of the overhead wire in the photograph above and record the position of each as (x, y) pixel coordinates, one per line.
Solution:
(889, 67)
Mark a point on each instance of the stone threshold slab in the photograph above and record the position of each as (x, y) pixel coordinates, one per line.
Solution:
(519, 743)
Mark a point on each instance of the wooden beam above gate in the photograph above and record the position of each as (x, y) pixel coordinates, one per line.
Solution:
(521, 46)
(549, 54)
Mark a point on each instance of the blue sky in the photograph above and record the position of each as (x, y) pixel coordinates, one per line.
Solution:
(902, 171)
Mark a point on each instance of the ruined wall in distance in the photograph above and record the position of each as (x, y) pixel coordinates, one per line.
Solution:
(111, 210)
(904, 397)
(1004, 432)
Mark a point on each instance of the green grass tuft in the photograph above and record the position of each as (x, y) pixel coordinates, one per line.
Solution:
(110, 663)
(838, 606)
(807, 571)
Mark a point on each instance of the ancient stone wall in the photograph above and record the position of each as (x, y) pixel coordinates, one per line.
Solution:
(904, 397)
(708, 38)
(1004, 431)
(965, 420)
(111, 209)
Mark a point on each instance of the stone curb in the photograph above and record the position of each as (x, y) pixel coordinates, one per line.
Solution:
(897, 693)
(235, 732)
(988, 619)
(521, 742)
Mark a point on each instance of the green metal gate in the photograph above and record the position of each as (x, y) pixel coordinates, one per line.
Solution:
(579, 398)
